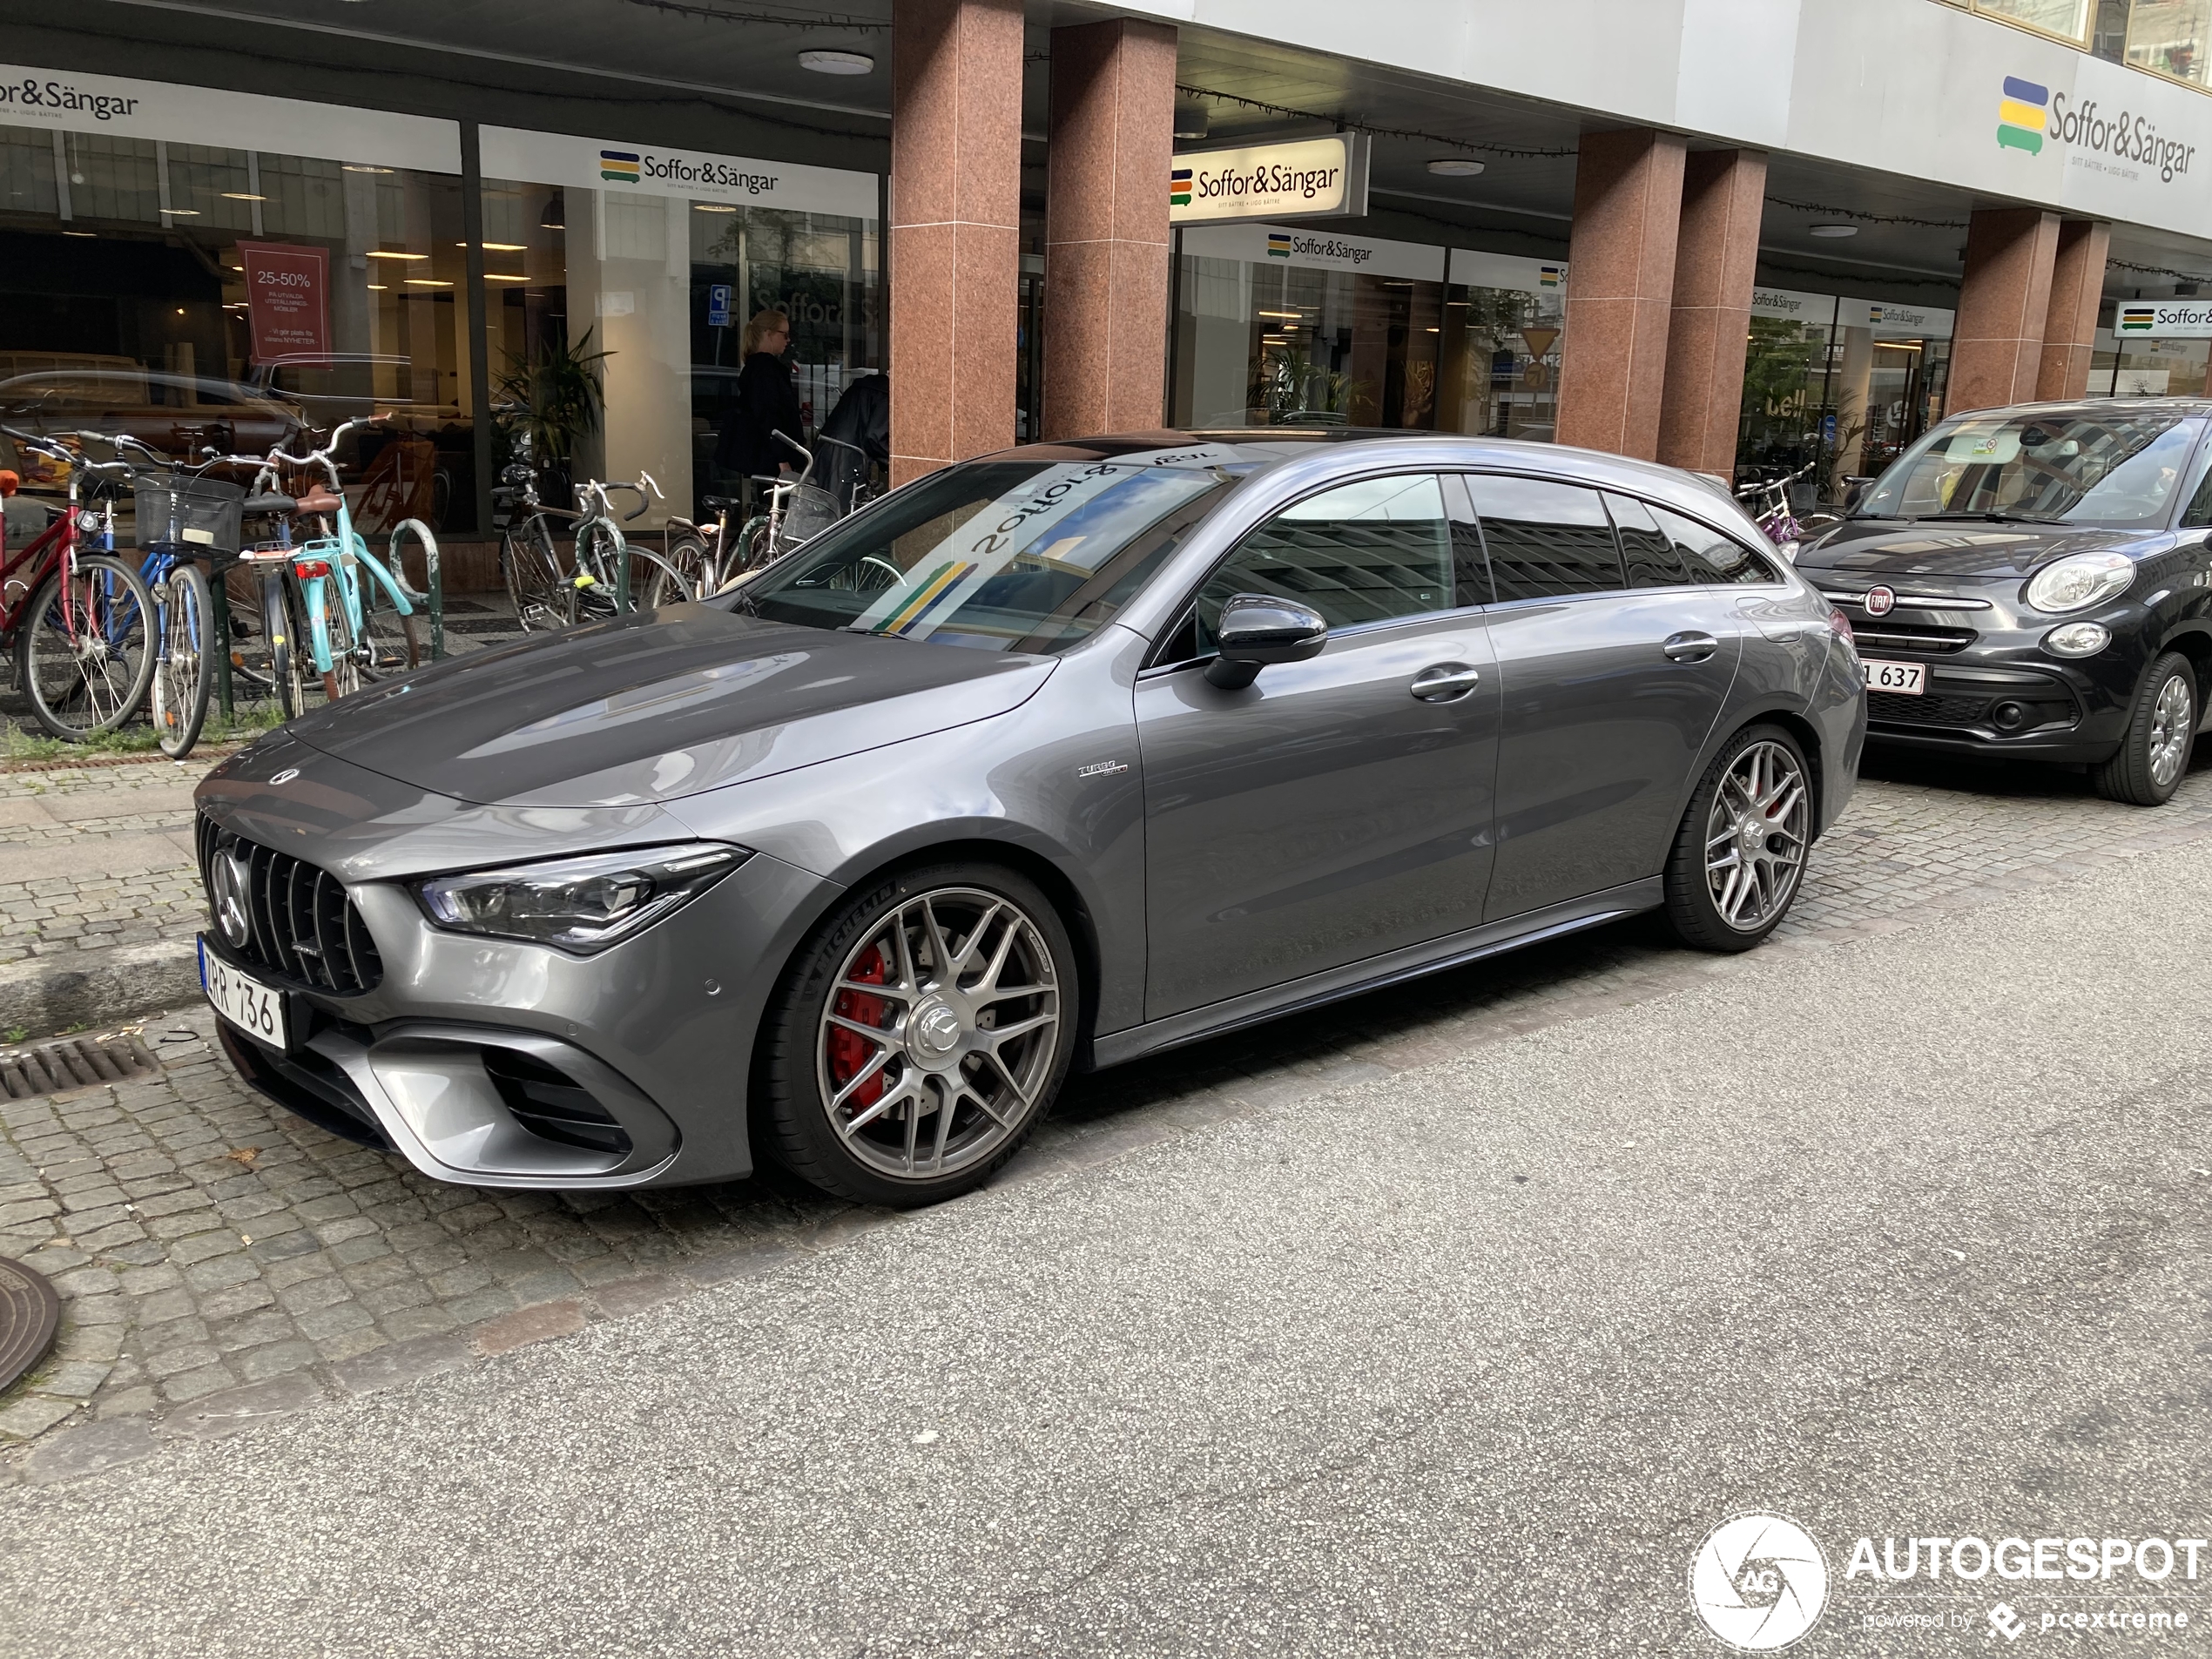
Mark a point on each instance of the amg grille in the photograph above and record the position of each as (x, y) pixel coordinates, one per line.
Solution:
(301, 925)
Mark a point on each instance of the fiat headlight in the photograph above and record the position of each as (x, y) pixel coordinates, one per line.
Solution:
(2084, 580)
(583, 905)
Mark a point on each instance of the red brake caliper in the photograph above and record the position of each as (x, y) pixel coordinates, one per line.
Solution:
(850, 1052)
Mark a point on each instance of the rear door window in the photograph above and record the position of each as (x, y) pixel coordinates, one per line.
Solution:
(1712, 557)
(1545, 539)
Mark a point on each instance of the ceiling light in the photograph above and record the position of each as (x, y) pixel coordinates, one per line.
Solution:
(394, 254)
(1455, 166)
(80, 233)
(503, 276)
(1190, 121)
(180, 212)
(349, 166)
(427, 282)
(1833, 230)
(1287, 316)
(500, 248)
(712, 208)
(242, 196)
(377, 288)
(837, 62)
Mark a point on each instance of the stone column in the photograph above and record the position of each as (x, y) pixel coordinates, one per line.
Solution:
(956, 229)
(1717, 256)
(2070, 324)
(1106, 227)
(1620, 284)
(1997, 345)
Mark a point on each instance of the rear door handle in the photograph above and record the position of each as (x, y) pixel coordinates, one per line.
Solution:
(1443, 682)
(1691, 647)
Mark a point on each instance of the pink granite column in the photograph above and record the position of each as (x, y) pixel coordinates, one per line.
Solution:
(1717, 256)
(956, 229)
(1106, 227)
(2070, 322)
(1997, 344)
(1620, 284)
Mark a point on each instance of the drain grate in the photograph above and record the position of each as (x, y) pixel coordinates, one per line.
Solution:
(29, 1312)
(74, 1062)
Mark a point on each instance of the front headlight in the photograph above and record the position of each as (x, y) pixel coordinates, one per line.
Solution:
(2084, 580)
(582, 904)
(2077, 639)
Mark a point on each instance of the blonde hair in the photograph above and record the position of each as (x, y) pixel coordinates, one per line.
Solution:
(764, 323)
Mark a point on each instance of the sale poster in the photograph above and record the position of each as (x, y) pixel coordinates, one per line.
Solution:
(288, 301)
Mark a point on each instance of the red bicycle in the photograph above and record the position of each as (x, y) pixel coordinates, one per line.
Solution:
(78, 619)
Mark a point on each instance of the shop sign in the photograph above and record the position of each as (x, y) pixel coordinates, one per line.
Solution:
(288, 301)
(1315, 250)
(2166, 319)
(1890, 321)
(1508, 271)
(1818, 309)
(65, 101)
(622, 167)
(1310, 179)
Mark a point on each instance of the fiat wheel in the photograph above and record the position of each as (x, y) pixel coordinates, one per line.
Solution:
(920, 1034)
(2162, 729)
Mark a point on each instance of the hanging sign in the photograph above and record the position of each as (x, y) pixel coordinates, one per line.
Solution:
(287, 300)
(1510, 272)
(1309, 178)
(2163, 318)
(621, 167)
(1322, 250)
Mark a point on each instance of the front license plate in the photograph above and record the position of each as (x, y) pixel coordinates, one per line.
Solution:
(1901, 679)
(254, 1007)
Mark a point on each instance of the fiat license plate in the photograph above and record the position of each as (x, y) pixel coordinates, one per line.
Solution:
(1899, 679)
(254, 1007)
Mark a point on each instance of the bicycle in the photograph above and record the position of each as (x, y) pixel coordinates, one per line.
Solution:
(78, 621)
(610, 576)
(1768, 501)
(711, 559)
(355, 630)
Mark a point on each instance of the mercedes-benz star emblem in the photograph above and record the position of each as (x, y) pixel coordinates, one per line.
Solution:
(226, 881)
(941, 1028)
(1880, 601)
(285, 777)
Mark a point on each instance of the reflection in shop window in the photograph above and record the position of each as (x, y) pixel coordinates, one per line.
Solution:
(2068, 19)
(2170, 37)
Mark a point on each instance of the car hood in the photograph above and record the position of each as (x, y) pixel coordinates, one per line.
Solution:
(1891, 548)
(653, 708)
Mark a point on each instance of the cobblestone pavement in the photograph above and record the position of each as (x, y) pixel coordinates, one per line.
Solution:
(220, 1260)
(94, 857)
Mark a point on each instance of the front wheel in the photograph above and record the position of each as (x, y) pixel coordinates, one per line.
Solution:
(1739, 856)
(2162, 729)
(180, 678)
(84, 649)
(544, 598)
(918, 1035)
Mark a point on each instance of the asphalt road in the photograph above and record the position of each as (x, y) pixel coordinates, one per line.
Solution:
(1902, 1238)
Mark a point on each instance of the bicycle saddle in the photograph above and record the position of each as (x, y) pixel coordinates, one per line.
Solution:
(320, 498)
(716, 503)
(267, 504)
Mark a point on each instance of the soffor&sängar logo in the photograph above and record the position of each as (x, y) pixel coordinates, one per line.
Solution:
(2029, 115)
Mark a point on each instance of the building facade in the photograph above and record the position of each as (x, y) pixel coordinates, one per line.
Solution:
(1727, 234)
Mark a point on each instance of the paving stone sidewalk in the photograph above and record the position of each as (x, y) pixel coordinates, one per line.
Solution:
(221, 1261)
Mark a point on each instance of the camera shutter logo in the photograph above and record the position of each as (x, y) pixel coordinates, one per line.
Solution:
(1758, 1582)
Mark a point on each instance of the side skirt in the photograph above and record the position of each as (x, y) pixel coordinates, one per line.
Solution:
(1315, 990)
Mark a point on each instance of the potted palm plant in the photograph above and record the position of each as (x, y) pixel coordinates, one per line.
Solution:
(553, 398)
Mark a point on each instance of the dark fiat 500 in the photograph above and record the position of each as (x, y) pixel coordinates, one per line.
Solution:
(2035, 582)
(1059, 755)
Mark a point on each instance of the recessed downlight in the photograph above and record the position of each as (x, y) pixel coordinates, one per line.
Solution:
(1833, 230)
(837, 62)
(1455, 166)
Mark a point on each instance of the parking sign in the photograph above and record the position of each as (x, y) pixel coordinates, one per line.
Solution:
(717, 305)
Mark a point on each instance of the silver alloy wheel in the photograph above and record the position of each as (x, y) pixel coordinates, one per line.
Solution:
(1755, 836)
(2171, 722)
(938, 1033)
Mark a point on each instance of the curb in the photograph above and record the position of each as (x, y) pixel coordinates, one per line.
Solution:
(98, 988)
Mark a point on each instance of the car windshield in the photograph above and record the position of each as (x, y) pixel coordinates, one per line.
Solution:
(2116, 468)
(1011, 554)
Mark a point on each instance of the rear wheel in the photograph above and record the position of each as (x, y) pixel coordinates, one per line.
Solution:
(1739, 855)
(84, 649)
(542, 597)
(287, 644)
(2162, 729)
(919, 1035)
(656, 581)
(181, 676)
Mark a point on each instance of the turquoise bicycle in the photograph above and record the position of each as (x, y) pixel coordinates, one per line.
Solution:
(353, 631)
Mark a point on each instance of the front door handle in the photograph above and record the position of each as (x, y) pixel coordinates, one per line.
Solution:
(1691, 647)
(1443, 682)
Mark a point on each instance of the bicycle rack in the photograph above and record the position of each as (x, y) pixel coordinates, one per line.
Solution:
(433, 579)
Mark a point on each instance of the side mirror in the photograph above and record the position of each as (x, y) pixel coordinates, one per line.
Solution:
(1257, 631)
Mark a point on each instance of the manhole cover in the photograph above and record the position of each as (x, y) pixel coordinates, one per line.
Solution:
(29, 1312)
(74, 1062)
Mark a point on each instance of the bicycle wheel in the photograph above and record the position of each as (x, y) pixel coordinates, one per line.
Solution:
(656, 581)
(181, 681)
(541, 595)
(324, 601)
(389, 642)
(593, 584)
(83, 652)
(286, 640)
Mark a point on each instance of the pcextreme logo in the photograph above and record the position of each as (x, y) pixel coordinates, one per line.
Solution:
(2028, 115)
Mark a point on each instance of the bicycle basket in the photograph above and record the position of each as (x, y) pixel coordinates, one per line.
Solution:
(810, 511)
(189, 515)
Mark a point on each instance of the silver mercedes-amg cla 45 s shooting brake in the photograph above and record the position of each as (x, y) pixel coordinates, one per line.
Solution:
(1055, 758)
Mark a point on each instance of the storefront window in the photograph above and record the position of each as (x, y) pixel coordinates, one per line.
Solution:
(1505, 322)
(2161, 368)
(1286, 327)
(138, 292)
(2068, 19)
(617, 311)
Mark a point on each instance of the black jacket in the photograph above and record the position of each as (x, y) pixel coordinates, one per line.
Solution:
(767, 403)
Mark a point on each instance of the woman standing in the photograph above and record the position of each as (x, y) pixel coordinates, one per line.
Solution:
(767, 403)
